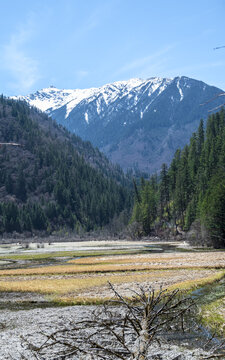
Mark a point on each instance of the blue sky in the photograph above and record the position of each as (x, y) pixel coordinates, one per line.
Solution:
(88, 43)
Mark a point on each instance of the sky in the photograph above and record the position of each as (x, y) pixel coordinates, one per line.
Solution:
(88, 43)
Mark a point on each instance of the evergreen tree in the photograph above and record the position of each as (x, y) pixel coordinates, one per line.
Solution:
(192, 188)
(56, 179)
(213, 211)
(164, 193)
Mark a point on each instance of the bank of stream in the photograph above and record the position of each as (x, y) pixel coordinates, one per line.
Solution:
(209, 331)
(27, 322)
(211, 301)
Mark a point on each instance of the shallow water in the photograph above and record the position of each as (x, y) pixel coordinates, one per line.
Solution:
(117, 245)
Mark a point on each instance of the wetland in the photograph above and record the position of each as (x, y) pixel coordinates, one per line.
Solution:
(39, 283)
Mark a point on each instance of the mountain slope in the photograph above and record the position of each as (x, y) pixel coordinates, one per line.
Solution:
(136, 123)
(190, 194)
(46, 183)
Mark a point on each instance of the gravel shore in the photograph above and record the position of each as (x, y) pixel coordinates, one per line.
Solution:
(29, 324)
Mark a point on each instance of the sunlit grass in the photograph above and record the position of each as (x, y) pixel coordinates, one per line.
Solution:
(173, 259)
(66, 283)
(74, 286)
(186, 286)
(101, 268)
(66, 286)
(125, 260)
(213, 316)
(190, 285)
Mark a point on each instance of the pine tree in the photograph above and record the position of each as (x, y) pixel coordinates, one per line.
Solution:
(21, 191)
(164, 193)
(213, 210)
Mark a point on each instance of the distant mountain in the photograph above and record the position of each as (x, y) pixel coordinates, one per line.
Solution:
(51, 179)
(136, 123)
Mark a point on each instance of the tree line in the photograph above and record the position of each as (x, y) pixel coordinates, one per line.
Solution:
(191, 191)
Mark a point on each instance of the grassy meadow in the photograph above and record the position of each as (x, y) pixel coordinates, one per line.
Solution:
(76, 276)
(81, 277)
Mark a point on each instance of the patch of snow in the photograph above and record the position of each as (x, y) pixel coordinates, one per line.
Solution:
(50, 99)
(86, 118)
(98, 106)
(180, 90)
(135, 100)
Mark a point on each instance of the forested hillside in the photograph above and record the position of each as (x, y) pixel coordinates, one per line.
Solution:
(190, 194)
(52, 179)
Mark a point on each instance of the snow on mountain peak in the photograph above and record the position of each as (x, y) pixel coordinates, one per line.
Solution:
(51, 98)
(136, 121)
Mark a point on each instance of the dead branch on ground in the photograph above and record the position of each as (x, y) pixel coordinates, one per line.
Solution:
(121, 329)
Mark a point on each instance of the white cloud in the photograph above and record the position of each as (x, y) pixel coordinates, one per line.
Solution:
(22, 67)
(142, 66)
(92, 21)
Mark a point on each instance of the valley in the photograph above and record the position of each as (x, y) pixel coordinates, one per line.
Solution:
(112, 180)
(38, 289)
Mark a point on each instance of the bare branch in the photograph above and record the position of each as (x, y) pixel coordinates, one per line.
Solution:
(123, 329)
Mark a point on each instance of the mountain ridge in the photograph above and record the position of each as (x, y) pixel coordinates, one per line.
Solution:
(137, 123)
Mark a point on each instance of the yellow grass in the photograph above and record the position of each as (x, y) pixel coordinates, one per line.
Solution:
(71, 285)
(102, 268)
(189, 285)
(127, 263)
(194, 284)
(65, 286)
(155, 261)
(87, 275)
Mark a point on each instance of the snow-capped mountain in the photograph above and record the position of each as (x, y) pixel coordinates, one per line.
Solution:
(51, 99)
(137, 123)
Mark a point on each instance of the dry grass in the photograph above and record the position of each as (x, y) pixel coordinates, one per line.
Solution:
(76, 285)
(213, 260)
(187, 259)
(76, 269)
(66, 286)
(194, 284)
(85, 280)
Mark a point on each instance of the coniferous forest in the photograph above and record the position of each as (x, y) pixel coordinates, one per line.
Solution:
(190, 194)
(50, 179)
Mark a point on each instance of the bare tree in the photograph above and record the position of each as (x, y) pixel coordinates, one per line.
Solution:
(122, 329)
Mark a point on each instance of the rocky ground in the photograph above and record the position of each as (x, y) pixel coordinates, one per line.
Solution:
(28, 324)
(19, 322)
